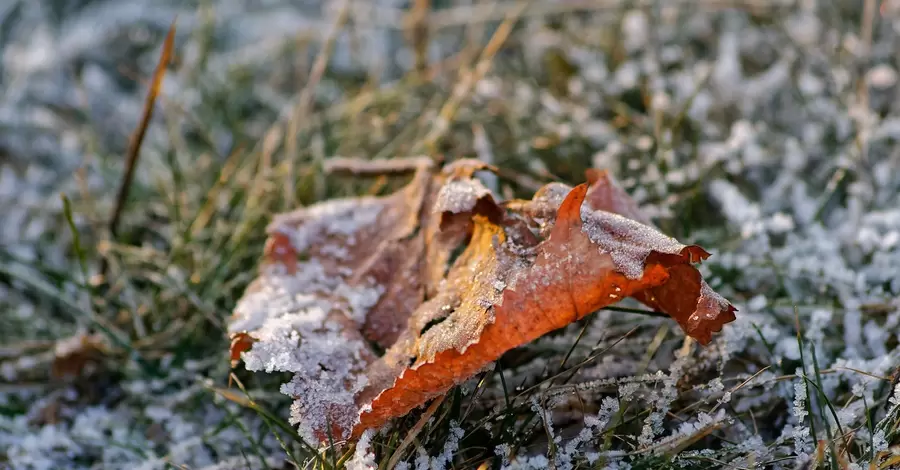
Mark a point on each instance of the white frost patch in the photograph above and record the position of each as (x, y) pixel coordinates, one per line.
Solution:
(662, 401)
(279, 293)
(326, 364)
(360, 299)
(363, 455)
(460, 196)
(307, 323)
(46, 449)
(335, 217)
(737, 208)
(628, 242)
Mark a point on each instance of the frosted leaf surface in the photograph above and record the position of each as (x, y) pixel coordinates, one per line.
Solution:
(276, 293)
(326, 268)
(541, 209)
(547, 285)
(628, 242)
(311, 329)
(613, 220)
(607, 195)
(460, 196)
(337, 217)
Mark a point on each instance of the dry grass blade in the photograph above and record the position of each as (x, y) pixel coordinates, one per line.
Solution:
(469, 78)
(368, 14)
(137, 138)
(866, 29)
(493, 11)
(418, 33)
(357, 166)
(411, 435)
(304, 102)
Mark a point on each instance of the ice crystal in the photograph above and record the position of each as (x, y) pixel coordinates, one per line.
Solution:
(627, 241)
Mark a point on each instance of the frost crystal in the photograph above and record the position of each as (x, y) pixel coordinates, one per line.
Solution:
(334, 217)
(799, 409)
(363, 457)
(450, 447)
(879, 442)
(800, 433)
(627, 390)
(895, 397)
(653, 425)
(460, 196)
(592, 425)
(534, 462)
(502, 451)
(626, 241)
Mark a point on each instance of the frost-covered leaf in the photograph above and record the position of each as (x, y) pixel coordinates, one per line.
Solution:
(345, 280)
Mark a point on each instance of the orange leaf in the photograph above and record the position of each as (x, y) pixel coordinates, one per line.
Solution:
(344, 276)
(240, 342)
(685, 296)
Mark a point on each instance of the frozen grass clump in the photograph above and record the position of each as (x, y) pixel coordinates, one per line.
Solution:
(765, 132)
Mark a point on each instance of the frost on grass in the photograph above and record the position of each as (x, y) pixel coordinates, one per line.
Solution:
(661, 403)
(149, 428)
(363, 456)
(443, 460)
(460, 196)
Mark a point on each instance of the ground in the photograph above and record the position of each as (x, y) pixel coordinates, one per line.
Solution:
(762, 130)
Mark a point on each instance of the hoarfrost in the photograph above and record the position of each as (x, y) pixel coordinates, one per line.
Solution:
(441, 461)
(333, 217)
(564, 459)
(503, 451)
(799, 409)
(895, 397)
(363, 456)
(663, 399)
(626, 241)
(532, 462)
(460, 196)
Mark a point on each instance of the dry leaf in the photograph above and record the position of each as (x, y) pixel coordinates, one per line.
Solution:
(356, 299)
(74, 355)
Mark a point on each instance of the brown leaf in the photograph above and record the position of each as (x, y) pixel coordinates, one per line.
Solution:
(344, 276)
(74, 354)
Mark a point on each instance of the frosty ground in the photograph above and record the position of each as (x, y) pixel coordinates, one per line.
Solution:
(763, 131)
